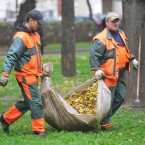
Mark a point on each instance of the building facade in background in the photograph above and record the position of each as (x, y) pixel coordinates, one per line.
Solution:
(112, 5)
(51, 9)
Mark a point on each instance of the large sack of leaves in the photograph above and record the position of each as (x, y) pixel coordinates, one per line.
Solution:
(63, 114)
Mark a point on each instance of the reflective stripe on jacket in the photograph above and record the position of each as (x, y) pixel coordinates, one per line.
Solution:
(24, 55)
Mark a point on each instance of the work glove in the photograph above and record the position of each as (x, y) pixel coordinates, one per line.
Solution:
(48, 67)
(3, 81)
(135, 64)
(99, 74)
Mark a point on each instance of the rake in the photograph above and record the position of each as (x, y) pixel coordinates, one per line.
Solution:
(137, 103)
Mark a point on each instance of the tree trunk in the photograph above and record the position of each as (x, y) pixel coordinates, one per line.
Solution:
(90, 9)
(68, 39)
(134, 26)
(24, 9)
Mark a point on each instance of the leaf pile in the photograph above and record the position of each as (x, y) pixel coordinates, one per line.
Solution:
(84, 102)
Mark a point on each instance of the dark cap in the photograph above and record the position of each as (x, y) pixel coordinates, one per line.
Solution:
(36, 15)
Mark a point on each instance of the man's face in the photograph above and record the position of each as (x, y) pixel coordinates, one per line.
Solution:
(34, 25)
(112, 25)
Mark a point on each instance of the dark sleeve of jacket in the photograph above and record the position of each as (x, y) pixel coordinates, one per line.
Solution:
(15, 51)
(96, 54)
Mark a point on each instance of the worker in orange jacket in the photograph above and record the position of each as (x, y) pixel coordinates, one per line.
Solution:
(25, 56)
(109, 58)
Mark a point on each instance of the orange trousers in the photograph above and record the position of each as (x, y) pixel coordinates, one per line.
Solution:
(32, 101)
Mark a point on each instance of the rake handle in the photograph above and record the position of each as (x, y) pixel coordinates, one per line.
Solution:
(138, 72)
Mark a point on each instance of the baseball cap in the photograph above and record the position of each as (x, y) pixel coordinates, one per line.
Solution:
(112, 16)
(36, 15)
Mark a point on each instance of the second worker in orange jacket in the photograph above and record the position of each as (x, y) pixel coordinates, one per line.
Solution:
(109, 58)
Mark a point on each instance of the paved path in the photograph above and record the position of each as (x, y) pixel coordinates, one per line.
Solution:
(53, 52)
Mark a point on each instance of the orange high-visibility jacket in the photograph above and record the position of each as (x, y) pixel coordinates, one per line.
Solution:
(104, 54)
(24, 55)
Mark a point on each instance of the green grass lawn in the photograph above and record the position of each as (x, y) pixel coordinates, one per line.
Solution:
(55, 47)
(129, 123)
(79, 45)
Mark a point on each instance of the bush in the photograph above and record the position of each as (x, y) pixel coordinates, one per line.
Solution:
(52, 32)
(6, 33)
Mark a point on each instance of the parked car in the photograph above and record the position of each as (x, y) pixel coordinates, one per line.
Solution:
(10, 20)
(81, 18)
(2, 20)
(98, 18)
(52, 19)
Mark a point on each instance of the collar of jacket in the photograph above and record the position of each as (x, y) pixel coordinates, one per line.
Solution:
(109, 36)
(23, 28)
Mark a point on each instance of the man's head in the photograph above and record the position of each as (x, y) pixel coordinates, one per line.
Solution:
(34, 20)
(112, 21)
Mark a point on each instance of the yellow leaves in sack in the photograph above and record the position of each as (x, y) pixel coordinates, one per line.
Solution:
(84, 102)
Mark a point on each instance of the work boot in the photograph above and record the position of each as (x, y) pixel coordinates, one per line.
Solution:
(41, 134)
(106, 126)
(5, 125)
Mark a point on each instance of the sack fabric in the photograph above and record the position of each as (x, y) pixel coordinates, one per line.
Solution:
(62, 116)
